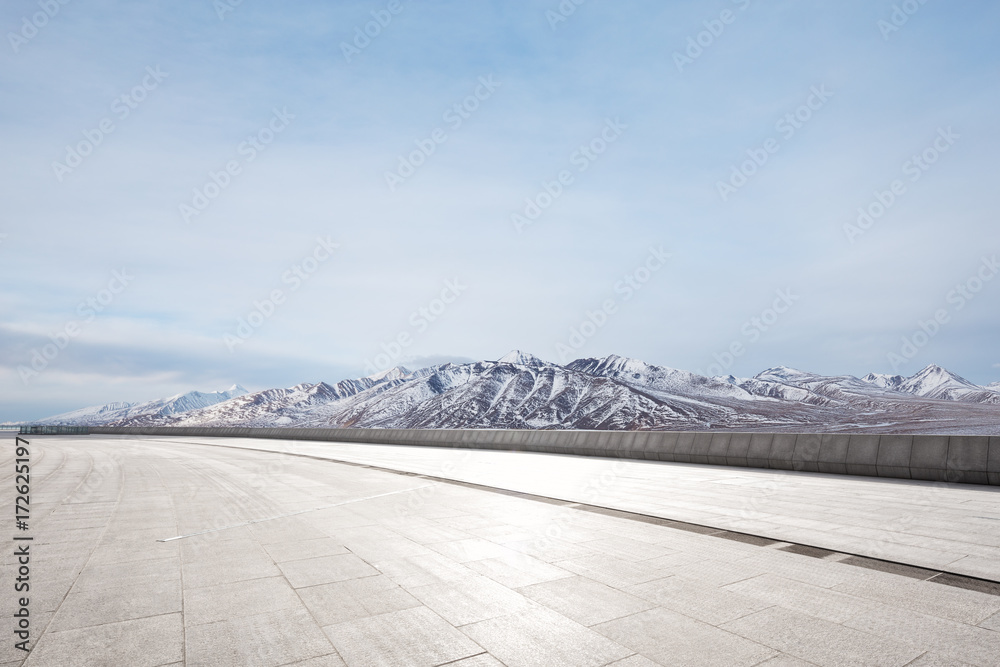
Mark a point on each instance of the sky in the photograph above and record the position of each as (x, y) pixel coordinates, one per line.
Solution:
(198, 193)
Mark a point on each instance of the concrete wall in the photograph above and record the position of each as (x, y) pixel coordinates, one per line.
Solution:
(948, 458)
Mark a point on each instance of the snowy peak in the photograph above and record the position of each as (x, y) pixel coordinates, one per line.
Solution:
(615, 366)
(395, 373)
(191, 401)
(781, 374)
(662, 381)
(935, 382)
(934, 379)
(310, 388)
(786, 383)
(519, 358)
(884, 381)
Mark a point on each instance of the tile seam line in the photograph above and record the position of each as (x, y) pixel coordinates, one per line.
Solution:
(84, 628)
(284, 516)
(180, 568)
(76, 579)
(584, 506)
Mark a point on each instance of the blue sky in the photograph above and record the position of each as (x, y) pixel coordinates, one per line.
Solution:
(352, 261)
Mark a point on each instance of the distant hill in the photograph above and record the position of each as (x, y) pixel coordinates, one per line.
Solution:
(520, 390)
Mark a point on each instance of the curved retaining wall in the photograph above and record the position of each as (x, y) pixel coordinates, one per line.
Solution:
(947, 458)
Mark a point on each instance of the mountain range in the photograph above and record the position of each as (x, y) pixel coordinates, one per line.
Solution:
(522, 391)
(113, 413)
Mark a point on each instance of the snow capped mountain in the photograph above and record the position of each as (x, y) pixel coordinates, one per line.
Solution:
(884, 381)
(97, 414)
(782, 374)
(519, 358)
(276, 406)
(520, 390)
(936, 382)
(395, 373)
(658, 379)
(500, 395)
(112, 412)
(789, 384)
(271, 407)
(196, 399)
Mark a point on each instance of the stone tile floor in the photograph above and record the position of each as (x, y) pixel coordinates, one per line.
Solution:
(313, 562)
(940, 526)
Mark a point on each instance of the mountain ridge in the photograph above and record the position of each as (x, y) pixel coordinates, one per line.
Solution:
(520, 390)
(179, 403)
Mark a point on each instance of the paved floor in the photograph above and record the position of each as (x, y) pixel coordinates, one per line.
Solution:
(950, 527)
(314, 562)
